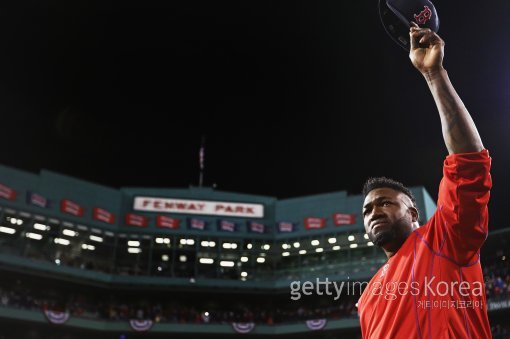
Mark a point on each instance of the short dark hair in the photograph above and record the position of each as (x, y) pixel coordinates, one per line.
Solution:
(383, 182)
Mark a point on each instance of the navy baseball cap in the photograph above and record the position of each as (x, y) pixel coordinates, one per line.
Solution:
(396, 17)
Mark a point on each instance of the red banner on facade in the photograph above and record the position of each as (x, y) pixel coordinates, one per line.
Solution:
(136, 220)
(70, 207)
(167, 222)
(314, 223)
(103, 215)
(7, 192)
(344, 219)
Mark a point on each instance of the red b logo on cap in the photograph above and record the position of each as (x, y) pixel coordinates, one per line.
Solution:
(424, 16)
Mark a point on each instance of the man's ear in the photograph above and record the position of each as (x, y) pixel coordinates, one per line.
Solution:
(414, 214)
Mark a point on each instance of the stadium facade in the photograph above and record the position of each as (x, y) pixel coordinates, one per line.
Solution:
(205, 246)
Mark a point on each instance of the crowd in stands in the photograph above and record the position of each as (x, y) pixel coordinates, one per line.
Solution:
(115, 308)
(92, 307)
(497, 279)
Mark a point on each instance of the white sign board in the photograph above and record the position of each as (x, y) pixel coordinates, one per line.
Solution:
(166, 205)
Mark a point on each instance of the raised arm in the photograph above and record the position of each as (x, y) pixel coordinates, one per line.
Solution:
(459, 130)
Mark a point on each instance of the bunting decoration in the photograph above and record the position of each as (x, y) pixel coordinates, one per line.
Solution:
(141, 325)
(243, 327)
(56, 317)
(316, 324)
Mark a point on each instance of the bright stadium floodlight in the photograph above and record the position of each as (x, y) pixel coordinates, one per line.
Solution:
(35, 236)
(261, 260)
(96, 238)
(244, 274)
(365, 236)
(285, 254)
(159, 240)
(266, 247)
(204, 243)
(212, 244)
(234, 245)
(183, 258)
(350, 237)
(69, 233)
(182, 241)
(302, 252)
(297, 244)
(319, 250)
(190, 242)
(41, 227)
(207, 261)
(315, 243)
(61, 241)
(332, 240)
(19, 222)
(165, 257)
(134, 250)
(166, 241)
(249, 246)
(57, 261)
(244, 259)
(370, 243)
(7, 230)
(133, 243)
(227, 245)
(285, 246)
(336, 248)
(226, 263)
(353, 245)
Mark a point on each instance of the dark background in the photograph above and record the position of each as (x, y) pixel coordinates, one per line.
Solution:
(294, 97)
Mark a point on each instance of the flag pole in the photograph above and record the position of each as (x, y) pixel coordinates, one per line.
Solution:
(201, 160)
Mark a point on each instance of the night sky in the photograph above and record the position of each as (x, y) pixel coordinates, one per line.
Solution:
(294, 97)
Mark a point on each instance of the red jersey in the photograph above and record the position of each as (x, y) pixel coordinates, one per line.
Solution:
(433, 286)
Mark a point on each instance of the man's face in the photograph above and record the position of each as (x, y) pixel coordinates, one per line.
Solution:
(388, 217)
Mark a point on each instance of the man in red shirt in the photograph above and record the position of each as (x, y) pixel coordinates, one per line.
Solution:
(432, 284)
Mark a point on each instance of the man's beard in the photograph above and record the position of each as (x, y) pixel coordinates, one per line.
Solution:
(384, 237)
(394, 233)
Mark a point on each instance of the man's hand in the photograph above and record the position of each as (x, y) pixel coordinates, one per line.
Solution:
(427, 50)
